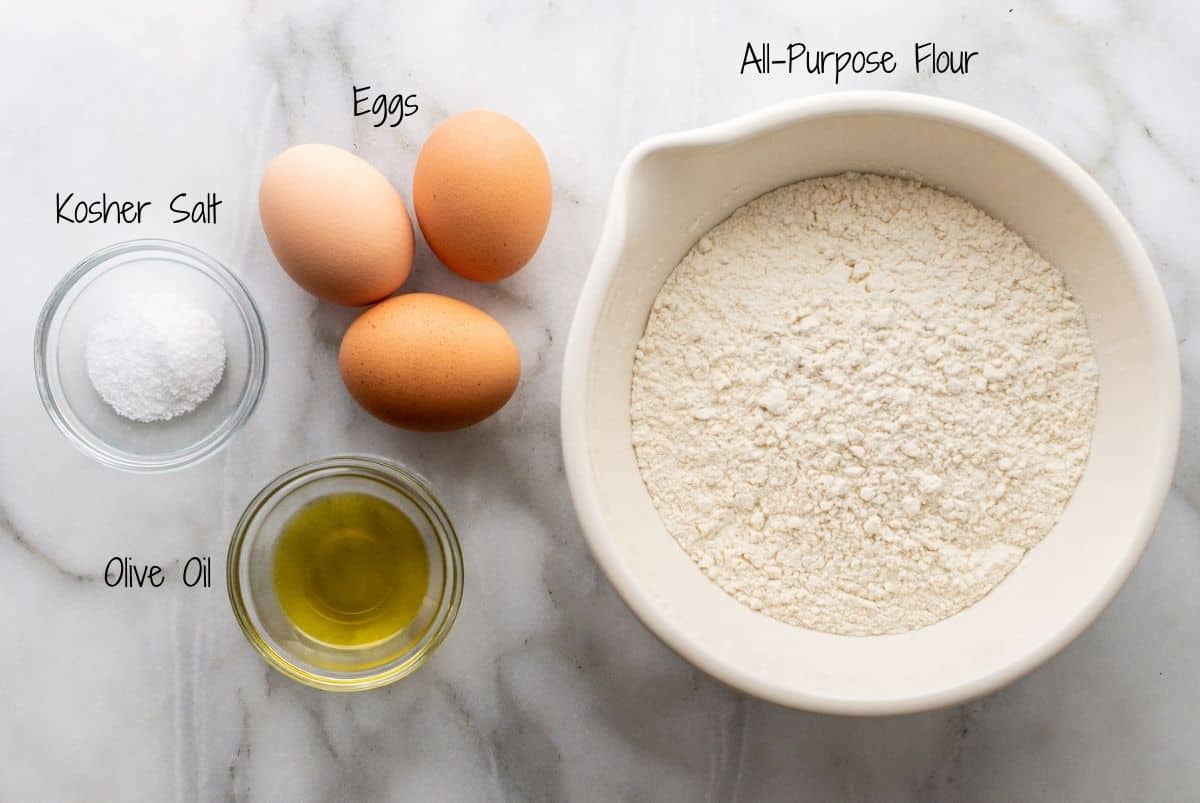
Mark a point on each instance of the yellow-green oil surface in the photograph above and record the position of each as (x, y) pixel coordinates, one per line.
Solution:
(351, 570)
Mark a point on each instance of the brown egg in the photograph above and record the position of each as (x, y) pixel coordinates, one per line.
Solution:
(482, 194)
(336, 225)
(430, 363)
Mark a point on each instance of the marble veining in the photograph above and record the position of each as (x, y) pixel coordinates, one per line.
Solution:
(547, 689)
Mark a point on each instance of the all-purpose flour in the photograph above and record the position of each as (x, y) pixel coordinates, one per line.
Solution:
(859, 401)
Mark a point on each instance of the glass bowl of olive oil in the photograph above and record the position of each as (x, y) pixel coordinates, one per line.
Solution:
(345, 573)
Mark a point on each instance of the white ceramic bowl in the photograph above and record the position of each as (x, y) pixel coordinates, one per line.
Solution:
(671, 190)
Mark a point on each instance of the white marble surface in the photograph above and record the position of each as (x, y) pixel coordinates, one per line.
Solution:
(547, 689)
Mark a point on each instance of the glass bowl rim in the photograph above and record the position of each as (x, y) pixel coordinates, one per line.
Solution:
(96, 447)
(396, 477)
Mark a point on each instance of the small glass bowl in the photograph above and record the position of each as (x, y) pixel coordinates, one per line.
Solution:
(250, 575)
(92, 290)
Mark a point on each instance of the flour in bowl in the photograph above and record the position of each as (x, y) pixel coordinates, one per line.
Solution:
(859, 401)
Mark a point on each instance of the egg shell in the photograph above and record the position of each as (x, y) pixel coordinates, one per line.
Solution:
(429, 363)
(336, 224)
(482, 195)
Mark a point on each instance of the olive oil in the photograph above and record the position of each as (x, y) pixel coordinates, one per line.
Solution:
(351, 570)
